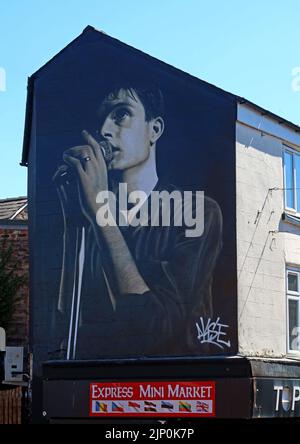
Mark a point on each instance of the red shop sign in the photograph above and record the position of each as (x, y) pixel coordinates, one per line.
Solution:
(188, 398)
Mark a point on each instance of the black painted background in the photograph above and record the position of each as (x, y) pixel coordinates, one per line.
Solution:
(199, 138)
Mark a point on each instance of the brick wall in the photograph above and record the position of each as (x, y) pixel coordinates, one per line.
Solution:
(18, 328)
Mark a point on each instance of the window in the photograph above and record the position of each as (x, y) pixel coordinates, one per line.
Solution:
(292, 180)
(293, 311)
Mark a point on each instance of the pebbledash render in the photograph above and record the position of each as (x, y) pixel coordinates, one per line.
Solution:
(268, 234)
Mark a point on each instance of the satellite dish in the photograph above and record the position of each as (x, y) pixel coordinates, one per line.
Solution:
(2, 340)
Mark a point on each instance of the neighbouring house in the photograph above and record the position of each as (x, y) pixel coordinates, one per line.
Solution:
(14, 230)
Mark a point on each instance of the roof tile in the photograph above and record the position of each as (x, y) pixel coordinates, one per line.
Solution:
(9, 207)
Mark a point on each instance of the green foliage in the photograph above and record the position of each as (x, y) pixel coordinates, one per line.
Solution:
(10, 282)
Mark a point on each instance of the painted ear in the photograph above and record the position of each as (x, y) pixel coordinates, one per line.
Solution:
(158, 126)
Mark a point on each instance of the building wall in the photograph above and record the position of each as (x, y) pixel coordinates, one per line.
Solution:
(265, 244)
(17, 333)
(100, 330)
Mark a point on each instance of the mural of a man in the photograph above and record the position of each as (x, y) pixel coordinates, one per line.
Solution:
(130, 290)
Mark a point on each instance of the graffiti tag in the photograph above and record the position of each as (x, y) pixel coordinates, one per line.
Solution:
(212, 333)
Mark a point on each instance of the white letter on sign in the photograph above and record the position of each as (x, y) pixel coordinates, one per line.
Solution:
(296, 397)
(278, 388)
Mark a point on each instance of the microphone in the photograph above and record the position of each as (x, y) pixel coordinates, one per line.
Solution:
(106, 151)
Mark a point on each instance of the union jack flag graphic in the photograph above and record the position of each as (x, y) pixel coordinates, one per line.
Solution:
(203, 407)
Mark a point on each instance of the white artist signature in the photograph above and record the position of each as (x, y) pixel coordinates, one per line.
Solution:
(212, 333)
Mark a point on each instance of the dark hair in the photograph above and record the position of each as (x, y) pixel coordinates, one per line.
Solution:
(149, 94)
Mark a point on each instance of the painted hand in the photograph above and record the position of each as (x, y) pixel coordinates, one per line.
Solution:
(89, 167)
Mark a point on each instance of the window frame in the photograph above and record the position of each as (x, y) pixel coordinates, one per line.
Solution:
(292, 296)
(293, 210)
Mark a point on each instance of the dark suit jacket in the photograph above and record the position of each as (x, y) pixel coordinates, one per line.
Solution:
(162, 322)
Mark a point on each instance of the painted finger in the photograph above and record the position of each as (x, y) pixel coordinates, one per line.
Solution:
(81, 152)
(93, 144)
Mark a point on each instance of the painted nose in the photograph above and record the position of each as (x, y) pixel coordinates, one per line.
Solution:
(107, 129)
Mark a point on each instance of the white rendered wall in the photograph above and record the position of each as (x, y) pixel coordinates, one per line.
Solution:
(265, 244)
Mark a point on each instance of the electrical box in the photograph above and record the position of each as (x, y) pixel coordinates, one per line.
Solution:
(2, 340)
(13, 365)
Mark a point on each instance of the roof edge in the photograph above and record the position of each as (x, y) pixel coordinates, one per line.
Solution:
(86, 30)
(13, 199)
(28, 122)
(280, 120)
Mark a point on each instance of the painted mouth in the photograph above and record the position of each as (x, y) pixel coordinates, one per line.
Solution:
(107, 150)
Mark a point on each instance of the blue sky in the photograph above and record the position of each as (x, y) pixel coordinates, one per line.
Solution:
(248, 48)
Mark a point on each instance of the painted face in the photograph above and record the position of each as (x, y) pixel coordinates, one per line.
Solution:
(127, 130)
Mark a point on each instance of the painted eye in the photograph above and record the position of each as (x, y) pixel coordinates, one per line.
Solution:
(121, 114)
